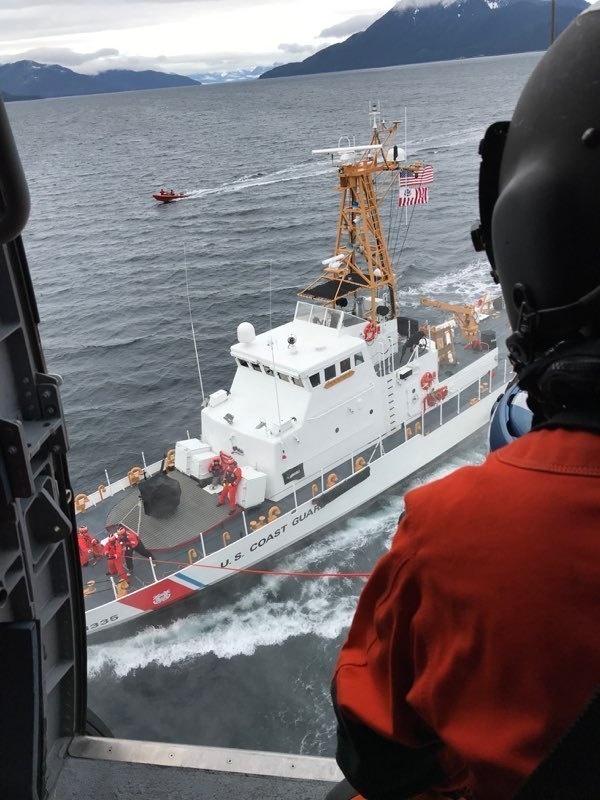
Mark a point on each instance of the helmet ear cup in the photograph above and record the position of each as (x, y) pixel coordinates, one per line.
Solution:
(571, 383)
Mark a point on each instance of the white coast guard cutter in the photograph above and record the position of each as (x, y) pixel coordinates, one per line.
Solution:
(324, 413)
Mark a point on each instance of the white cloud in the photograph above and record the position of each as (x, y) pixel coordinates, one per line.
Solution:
(350, 26)
(183, 36)
(404, 5)
(63, 56)
(297, 49)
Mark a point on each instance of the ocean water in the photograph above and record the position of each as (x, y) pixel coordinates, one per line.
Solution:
(250, 668)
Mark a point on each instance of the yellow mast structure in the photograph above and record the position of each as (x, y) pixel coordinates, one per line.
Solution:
(361, 262)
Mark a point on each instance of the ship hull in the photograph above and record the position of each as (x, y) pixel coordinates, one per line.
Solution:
(294, 526)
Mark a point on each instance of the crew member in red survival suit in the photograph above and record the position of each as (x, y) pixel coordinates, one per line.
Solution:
(84, 540)
(88, 547)
(231, 478)
(216, 470)
(129, 542)
(476, 641)
(114, 555)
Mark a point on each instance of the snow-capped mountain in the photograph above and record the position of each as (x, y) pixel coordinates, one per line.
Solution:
(415, 31)
(231, 76)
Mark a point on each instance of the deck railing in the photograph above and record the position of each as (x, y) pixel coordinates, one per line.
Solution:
(336, 471)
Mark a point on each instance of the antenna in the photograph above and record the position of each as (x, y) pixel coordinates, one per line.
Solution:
(187, 289)
(374, 114)
(271, 346)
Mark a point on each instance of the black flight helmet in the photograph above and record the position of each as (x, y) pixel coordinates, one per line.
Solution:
(539, 197)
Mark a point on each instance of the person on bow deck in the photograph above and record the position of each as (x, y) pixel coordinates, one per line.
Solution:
(114, 556)
(89, 548)
(84, 541)
(131, 542)
(126, 541)
(475, 643)
(231, 478)
(216, 470)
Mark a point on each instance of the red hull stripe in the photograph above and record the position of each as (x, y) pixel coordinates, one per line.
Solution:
(157, 596)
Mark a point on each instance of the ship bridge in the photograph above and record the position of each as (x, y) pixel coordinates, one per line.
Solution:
(296, 390)
(315, 337)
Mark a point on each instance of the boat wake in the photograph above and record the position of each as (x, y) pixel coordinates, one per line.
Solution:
(464, 283)
(253, 180)
(441, 142)
(278, 608)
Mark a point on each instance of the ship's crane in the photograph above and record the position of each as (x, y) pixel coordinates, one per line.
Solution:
(467, 316)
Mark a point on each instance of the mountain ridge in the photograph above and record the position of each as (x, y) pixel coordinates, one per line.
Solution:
(413, 34)
(32, 80)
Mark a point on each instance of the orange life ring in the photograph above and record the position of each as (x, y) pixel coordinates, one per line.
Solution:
(359, 464)
(135, 475)
(274, 512)
(441, 393)
(427, 380)
(81, 502)
(370, 332)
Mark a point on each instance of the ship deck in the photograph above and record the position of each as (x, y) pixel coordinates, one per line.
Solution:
(197, 512)
(198, 527)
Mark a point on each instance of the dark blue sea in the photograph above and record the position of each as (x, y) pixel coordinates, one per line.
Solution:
(252, 668)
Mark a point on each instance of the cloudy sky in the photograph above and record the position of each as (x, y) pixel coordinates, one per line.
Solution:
(183, 36)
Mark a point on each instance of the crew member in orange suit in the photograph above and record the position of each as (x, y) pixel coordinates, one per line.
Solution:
(475, 644)
(88, 546)
(231, 478)
(114, 555)
(216, 470)
(84, 542)
(129, 542)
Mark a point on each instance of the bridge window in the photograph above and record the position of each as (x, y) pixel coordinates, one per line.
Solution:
(358, 359)
(297, 381)
(345, 365)
(329, 372)
(242, 363)
(283, 376)
(268, 370)
(315, 379)
(256, 367)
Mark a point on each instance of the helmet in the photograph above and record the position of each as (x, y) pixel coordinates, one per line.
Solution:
(539, 197)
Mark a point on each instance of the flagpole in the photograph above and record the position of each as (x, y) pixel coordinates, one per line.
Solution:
(406, 155)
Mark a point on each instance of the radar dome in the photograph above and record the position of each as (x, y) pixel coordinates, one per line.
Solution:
(245, 333)
(396, 154)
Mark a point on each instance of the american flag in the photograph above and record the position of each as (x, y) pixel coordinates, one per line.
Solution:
(416, 177)
(413, 195)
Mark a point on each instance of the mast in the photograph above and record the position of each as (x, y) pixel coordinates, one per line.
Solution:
(361, 262)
